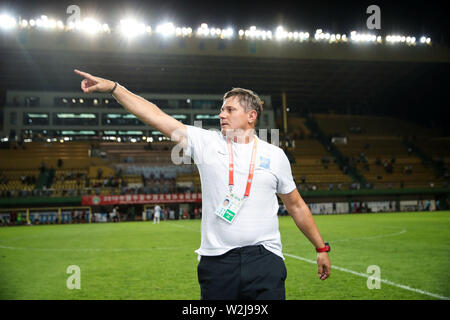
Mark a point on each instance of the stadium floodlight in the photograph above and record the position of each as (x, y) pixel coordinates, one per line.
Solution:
(264, 34)
(319, 35)
(52, 24)
(251, 32)
(255, 33)
(45, 22)
(105, 27)
(166, 29)
(90, 26)
(131, 28)
(281, 33)
(226, 33)
(60, 25)
(7, 22)
(203, 30)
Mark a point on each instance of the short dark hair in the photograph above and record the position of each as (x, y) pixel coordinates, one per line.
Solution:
(247, 99)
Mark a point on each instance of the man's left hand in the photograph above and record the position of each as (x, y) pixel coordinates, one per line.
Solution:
(324, 265)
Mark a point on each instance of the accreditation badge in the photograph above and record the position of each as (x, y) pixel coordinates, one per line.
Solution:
(229, 207)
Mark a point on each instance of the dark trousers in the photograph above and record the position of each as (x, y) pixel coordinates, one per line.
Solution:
(246, 273)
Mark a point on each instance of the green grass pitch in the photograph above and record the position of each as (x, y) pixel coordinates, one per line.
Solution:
(140, 260)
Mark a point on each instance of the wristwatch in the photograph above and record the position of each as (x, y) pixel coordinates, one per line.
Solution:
(327, 248)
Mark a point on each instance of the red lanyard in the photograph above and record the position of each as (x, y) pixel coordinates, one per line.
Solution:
(231, 167)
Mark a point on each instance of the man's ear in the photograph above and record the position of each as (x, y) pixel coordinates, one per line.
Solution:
(252, 116)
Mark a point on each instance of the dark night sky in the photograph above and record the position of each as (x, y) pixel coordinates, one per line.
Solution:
(404, 17)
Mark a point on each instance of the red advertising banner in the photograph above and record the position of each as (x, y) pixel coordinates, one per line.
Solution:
(141, 199)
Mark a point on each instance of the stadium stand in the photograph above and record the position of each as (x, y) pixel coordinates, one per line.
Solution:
(376, 147)
(314, 169)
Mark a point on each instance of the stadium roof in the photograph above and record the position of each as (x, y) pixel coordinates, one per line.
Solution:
(309, 74)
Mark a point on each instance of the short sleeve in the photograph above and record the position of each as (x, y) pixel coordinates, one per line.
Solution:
(198, 140)
(193, 140)
(286, 183)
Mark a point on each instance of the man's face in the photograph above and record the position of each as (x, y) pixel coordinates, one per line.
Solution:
(233, 116)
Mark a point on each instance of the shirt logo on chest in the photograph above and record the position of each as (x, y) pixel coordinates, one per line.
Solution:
(264, 162)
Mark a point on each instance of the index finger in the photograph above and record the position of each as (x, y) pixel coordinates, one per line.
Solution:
(84, 74)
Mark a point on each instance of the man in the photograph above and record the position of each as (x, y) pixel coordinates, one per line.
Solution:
(157, 216)
(115, 214)
(240, 253)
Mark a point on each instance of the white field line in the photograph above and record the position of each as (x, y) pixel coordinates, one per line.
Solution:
(371, 237)
(434, 295)
(184, 227)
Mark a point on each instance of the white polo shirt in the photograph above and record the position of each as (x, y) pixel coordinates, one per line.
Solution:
(256, 222)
